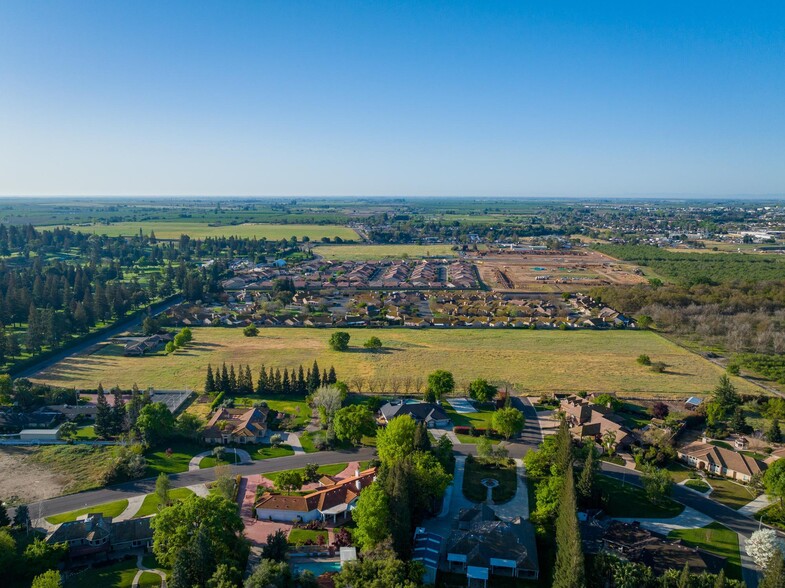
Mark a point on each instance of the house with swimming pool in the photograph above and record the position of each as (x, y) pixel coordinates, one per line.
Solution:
(333, 501)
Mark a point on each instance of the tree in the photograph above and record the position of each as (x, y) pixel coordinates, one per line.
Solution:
(774, 433)
(374, 344)
(774, 577)
(372, 515)
(660, 410)
(103, 415)
(276, 546)
(22, 516)
(170, 347)
(4, 519)
(738, 421)
(763, 545)
(224, 482)
(508, 421)
(289, 481)
(224, 577)
(339, 341)
(327, 400)
(40, 556)
(270, 574)
(608, 400)
(657, 483)
(352, 422)
(398, 484)
(585, 486)
(162, 486)
(563, 457)
(155, 423)
(481, 391)
(422, 442)
(568, 571)
(440, 383)
(725, 395)
(774, 480)
(380, 572)
(68, 430)
(395, 441)
(173, 529)
(49, 579)
(209, 381)
(251, 331)
(644, 359)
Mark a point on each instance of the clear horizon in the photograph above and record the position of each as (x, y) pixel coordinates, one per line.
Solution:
(443, 99)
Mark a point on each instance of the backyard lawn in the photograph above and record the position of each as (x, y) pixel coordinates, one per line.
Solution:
(475, 471)
(325, 470)
(717, 539)
(182, 451)
(151, 501)
(533, 360)
(86, 433)
(108, 509)
(628, 501)
(479, 420)
(119, 575)
(300, 536)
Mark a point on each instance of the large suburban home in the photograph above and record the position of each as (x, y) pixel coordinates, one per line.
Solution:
(331, 501)
(236, 425)
(587, 419)
(433, 415)
(97, 535)
(721, 461)
(482, 547)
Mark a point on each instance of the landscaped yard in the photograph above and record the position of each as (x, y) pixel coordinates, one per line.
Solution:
(268, 451)
(731, 493)
(301, 536)
(717, 539)
(86, 433)
(479, 420)
(772, 516)
(151, 501)
(471, 439)
(325, 470)
(149, 580)
(108, 509)
(698, 485)
(182, 452)
(306, 440)
(533, 360)
(119, 575)
(628, 501)
(475, 471)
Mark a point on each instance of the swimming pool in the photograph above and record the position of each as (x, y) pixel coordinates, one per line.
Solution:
(316, 567)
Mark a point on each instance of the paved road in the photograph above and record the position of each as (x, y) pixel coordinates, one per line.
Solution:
(120, 327)
(147, 486)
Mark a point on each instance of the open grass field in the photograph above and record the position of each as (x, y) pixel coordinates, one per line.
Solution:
(110, 509)
(534, 361)
(370, 252)
(717, 539)
(197, 230)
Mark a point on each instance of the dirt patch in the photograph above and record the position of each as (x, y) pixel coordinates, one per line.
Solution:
(24, 481)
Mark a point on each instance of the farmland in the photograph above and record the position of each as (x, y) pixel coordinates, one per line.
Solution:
(533, 360)
(372, 252)
(197, 230)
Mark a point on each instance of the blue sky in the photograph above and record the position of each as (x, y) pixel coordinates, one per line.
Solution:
(394, 98)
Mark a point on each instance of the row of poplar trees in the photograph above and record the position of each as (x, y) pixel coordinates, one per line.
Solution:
(297, 382)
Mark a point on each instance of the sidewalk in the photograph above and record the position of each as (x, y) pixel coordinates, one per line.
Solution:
(761, 502)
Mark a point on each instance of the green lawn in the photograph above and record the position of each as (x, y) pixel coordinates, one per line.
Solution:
(119, 575)
(475, 471)
(200, 230)
(268, 451)
(772, 515)
(149, 580)
(717, 539)
(109, 509)
(151, 501)
(470, 439)
(533, 361)
(325, 470)
(679, 472)
(210, 462)
(306, 440)
(300, 536)
(731, 493)
(86, 433)
(479, 420)
(628, 501)
(698, 485)
(182, 452)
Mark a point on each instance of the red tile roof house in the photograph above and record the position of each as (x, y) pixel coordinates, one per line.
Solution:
(236, 425)
(720, 461)
(329, 502)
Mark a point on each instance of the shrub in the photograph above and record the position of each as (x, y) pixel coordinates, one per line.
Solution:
(644, 359)
(251, 331)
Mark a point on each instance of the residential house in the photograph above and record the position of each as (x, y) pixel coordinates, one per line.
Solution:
(236, 425)
(587, 419)
(332, 500)
(97, 535)
(433, 415)
(721, 461)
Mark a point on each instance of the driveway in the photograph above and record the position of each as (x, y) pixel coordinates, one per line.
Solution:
(518, 506)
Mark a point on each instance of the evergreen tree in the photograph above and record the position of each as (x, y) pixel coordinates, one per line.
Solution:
(302, 387)
(118, 412)
(684, 577)
(585, 486)
(248, 380)
(398, 489)
(134, 406)
(568, 571)
(4, 519)
(774, 433)
(564, 455)
(232, 380)
(331, 377)
(719, 581)
(421, 440)
(209, 381)
(325, 380)
(103, 415)
(285, 388)
(774, 577)
(277, 382)
(314, 381)
(262, 387)
(225, 380)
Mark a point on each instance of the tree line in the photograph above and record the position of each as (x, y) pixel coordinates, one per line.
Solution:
(299, 382)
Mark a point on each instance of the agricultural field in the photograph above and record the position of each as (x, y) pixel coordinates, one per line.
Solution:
(373, 252)
(554, 272)
(534, 361)
(197, 230)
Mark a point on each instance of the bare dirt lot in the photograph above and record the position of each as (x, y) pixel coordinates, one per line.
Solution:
(23, 480)
(553, 271)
